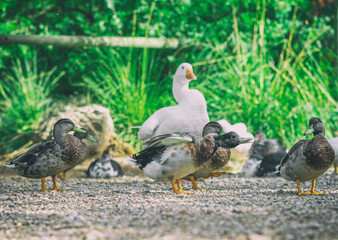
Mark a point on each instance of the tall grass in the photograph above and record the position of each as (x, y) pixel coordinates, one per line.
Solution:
(25, 94)
(130, 83)
(277, 96)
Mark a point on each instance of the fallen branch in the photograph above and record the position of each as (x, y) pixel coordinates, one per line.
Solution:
(81, 41)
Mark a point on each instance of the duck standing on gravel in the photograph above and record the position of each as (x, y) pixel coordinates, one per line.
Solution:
(50, 157)
(170, 157)
(308, 159)
(79, 135)
(218, 160)
(190, 115)
(105, 167)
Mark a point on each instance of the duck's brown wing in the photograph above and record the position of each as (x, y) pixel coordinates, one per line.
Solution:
(292, 150)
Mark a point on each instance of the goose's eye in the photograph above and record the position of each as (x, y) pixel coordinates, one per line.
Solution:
(182, 67)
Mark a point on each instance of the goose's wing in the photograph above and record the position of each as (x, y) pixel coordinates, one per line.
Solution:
(149, 127)
(169, 140)
(292, 150)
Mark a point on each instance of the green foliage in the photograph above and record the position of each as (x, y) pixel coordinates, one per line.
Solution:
(269, 64)
(278, 97)
(128, 82)
(25, 96)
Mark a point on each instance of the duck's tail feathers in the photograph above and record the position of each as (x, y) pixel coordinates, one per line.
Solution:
(10, 165)
(133, 162)
(277, 172)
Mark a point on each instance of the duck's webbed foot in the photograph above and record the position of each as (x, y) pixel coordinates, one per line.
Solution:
(179, 189)
(55, 187)
(43, 185)
(300, 190)
(62, 176)
(313, 188)
(215, 174)
(194, 184)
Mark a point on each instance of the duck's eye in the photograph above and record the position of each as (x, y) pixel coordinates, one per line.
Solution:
(182, 67)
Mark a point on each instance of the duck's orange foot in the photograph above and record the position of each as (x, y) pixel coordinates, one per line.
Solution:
(181, 191)
(62, 176)
(315, 192)
(215, 174)
(59, 189)
(194, 184)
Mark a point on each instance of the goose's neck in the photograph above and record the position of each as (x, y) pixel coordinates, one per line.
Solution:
(180, 89)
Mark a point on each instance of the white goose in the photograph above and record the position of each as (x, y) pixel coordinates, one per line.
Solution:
(190, 115)
(241, 130)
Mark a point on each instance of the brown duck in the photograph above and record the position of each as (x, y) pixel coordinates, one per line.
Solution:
(170, 157)
(308, 159)
(219, 159)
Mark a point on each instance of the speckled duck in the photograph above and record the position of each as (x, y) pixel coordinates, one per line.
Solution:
(170, 157)
(50, 157)
(105, 167)
(219, 159)
(81, 136)
(308, 159)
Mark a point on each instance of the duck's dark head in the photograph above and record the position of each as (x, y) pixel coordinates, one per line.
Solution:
(260, 136)
(212, 128)
(63, 126)
(316, 127)
(230, 140)
(84, 135)
(105, 155)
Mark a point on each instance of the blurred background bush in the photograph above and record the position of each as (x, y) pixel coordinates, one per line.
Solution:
(269, 64)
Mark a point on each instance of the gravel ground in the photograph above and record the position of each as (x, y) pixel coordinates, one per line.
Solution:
(232, 207)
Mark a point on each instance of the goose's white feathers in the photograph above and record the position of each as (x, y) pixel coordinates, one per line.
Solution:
(190, 115)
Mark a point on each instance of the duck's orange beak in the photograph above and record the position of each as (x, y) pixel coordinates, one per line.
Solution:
(190, 75)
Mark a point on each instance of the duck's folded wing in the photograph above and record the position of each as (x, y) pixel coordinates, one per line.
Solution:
(169, 139)
(292, 150)
(33, 152)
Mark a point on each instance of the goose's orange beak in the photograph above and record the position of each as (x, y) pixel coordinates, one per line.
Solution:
(190, 75)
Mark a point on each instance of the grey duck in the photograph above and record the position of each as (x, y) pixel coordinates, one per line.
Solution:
(308, 159)
(50, 157)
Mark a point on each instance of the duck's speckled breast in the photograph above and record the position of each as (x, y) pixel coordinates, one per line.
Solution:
(219, 160)
(319, 153)
(72, 150)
